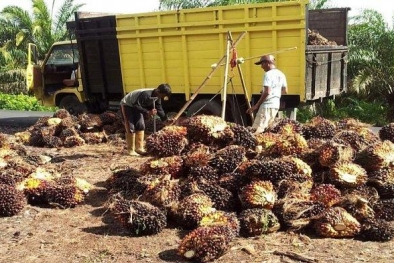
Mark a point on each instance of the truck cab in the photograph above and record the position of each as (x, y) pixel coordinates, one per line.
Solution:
(55, 80)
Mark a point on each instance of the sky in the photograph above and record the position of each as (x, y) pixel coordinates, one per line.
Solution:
(385, 7)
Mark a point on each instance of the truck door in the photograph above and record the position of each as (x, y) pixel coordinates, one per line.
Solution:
(33, 71)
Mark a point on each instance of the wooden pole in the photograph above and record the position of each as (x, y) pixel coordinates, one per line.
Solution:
(224, 92)
(205, 81)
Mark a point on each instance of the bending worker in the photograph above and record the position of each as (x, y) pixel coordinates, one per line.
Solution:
(274, 85)
(135, 106)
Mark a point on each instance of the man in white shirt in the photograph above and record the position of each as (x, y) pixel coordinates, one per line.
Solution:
(274, 85)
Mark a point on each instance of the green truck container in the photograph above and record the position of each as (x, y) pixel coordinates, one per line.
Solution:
(116, 54)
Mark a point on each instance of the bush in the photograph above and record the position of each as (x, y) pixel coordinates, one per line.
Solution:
(22, 102)
(13, 82)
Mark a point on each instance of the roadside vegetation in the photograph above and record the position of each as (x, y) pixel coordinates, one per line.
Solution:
(370, 97)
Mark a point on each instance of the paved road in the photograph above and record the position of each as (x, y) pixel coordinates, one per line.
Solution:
(21, 118)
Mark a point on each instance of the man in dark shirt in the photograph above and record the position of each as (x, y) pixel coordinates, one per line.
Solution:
(135, 106)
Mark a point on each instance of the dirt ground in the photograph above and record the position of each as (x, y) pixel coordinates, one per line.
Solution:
(87, 233)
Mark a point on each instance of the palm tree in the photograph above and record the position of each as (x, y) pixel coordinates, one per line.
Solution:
(371, 58)
(18, 28)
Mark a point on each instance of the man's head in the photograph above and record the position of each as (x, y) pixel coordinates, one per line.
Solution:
(266, 62)
(164, 90)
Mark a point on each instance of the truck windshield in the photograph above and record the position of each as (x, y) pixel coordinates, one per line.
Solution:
(63, 55)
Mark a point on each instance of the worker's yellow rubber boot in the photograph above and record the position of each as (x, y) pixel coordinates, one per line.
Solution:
(130, 139)
(139, 142)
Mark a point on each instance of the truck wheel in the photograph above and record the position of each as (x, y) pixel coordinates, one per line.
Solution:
(206, 107)
(72, 105)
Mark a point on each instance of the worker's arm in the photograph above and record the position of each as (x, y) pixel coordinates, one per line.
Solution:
(160, 111)
(264, 95)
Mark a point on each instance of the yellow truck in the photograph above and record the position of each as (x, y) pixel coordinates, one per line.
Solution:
(116, 54)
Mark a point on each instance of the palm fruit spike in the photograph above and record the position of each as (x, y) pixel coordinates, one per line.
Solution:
(376, 230)
(172, 165)
(221, 218)
(336, 222)
(12, 201)
(332, 152)
(384, 209)
(289, 144)
(226, 160)
(319, 127)
(192, 209)
(197, 154)
(169, 141)
(366, 192)
(258, 221)
(326, 194)
(35, 190)
(162, 192)
(295, 214)
(358, 207)
(258, 194)
(351, 124)
(293, 189)
(267, 140)
(376, 156)
(64, 196)
(383, 181)
(139, 218)
(73, 141)
(347, 174)
(205, 244)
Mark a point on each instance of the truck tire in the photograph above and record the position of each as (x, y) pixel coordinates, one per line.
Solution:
(72, 105)
(206, 107)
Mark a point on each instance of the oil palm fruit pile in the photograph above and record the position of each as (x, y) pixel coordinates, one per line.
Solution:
(25, 180)
(219, 181)
(66, 130)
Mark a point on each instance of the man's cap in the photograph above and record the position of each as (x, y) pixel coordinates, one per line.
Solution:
(268, 58)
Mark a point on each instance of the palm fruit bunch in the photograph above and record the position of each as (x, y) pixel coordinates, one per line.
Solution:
(126, 182)
(89, 121)
(64, 196)
(319, 127)
(196, 154)
(162, 192)
(68, 132)
(384, 209)
(387, 132)
(191, 209)
(68, 122)
(205, 244)
(258, 221)
(172, 165)
(203, 172)
(35, 189)
(376, 156)
(289, 188)
(358, 207)
(266, 140)
(296, 213)
(243, 136)
(258, 194)
(288, 144)
(80, 183)
(227, 159)
(139, 218)
(336, 222)
(351, 138)
(73, 141)
(221, 218)
(383, 181)
(315, 143)
(61, 114)
(351, 124)
(285, 125)
(109, 118)
(332, 152)
(327, 194)
(376, 230)
(93, 137)
(368, 135)
(12, 201)
(366, 192)
(207, 129)
(231, 181)
(167, 142)
(347, 174)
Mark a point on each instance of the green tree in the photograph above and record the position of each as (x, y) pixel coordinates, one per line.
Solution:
(371, 58)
